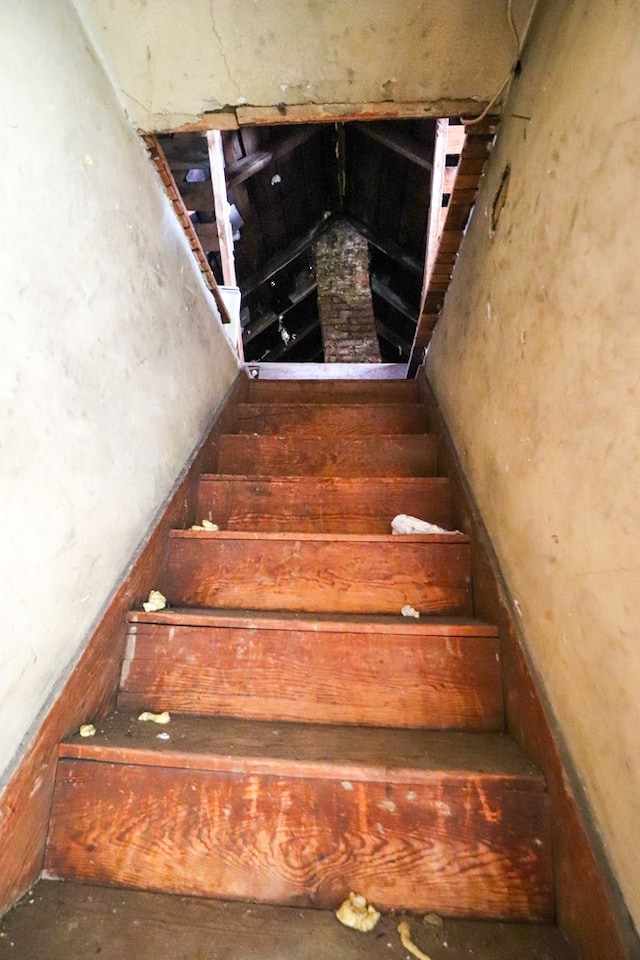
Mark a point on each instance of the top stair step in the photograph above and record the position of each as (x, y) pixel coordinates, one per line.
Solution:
(333, 391)
(330, 419)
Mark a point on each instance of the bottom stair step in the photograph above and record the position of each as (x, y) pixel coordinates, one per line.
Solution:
(300, 814)
(72, 921)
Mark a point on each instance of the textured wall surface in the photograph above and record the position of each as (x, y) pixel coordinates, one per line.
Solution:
(171, 62)
(344, 297)
(536, 362)
(112, 356)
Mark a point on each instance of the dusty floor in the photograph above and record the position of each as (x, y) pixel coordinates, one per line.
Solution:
(69, 921)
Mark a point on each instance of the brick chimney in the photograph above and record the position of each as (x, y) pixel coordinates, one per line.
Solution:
(344, 297)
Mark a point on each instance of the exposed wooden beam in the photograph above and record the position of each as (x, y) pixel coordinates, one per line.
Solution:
(256, 327)
(387, 246)
(404, 146)
(398, 303)
(247, 166)
(474, 154)
(283, 259)
(281, 350)
(435, 221)
(455, 138)
(393, 338)
(221, 205)
(180, 210)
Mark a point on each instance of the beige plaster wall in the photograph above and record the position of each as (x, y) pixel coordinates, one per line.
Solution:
(112, 358)
(172, 62)
(536, 361)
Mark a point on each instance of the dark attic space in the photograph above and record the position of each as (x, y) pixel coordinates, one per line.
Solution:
(292, 189)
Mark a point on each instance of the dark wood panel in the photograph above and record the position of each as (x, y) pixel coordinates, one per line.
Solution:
(311, 572)
(468, 845)
(71, 921)
(330, 419)
(90, 690)
(413, 679)
(409, 455)
(348, 505)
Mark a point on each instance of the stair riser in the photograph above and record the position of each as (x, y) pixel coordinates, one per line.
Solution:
(353, 420)
(337, 391)
(331, 506)
(398, 456)
(318, 575)
(360, 678)
(466, 846)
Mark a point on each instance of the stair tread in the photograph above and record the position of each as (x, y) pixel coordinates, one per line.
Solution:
(318, 622)
(453, 537)
(353, 419)
(72, 921)
(303, 749)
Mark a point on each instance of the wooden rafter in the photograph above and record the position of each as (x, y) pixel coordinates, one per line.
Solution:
(158, 157)
(463, 194)
(221, 205)
(401, 144)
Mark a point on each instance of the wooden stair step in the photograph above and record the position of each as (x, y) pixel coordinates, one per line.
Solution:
(73, 921)
(402, 455)
(330, 419)
(391, 671)
(309, 572)
(299, 813)
(334, 391)
(321, 504)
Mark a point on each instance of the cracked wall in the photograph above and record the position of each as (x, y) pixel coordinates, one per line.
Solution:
(170, 66)
(536, 361)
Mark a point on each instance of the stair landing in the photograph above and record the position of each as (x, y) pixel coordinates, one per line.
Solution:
(71, 921)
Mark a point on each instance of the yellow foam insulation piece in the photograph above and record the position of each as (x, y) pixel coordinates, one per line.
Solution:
(155, 601)
(205, 525)
(356, 913)
(87, 730)
(405, 938)
(161, 718)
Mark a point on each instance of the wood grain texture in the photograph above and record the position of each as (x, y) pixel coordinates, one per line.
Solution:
(321, 504)
(589, 904)
(330, 419)
(71, 921)
(419, 678)
(315, 572)
(91, 687)
(297, 813)
(333, 391)
(412, 455)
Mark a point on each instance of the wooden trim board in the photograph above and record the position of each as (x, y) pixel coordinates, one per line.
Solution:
(589, 904)
(90, 689)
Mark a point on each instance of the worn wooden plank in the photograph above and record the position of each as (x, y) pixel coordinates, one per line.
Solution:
(333, 391)
(72, 921)
(416, 679)
(231, 808)
(338, 505)
(319, 419)
(389, 136)
(316, 572)
(405, 455)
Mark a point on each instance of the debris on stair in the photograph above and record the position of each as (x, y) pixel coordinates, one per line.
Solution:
(163, 736)
(405, 938)
(404, 524)
(155, 601)
(87, 730)
(147, 717)
(409, 611)
(206, 525)
(433, 920)
(356, 913)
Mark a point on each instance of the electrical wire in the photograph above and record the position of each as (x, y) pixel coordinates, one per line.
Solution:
(514, 30)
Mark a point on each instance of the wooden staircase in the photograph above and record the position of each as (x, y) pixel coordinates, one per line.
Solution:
(319, 741)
